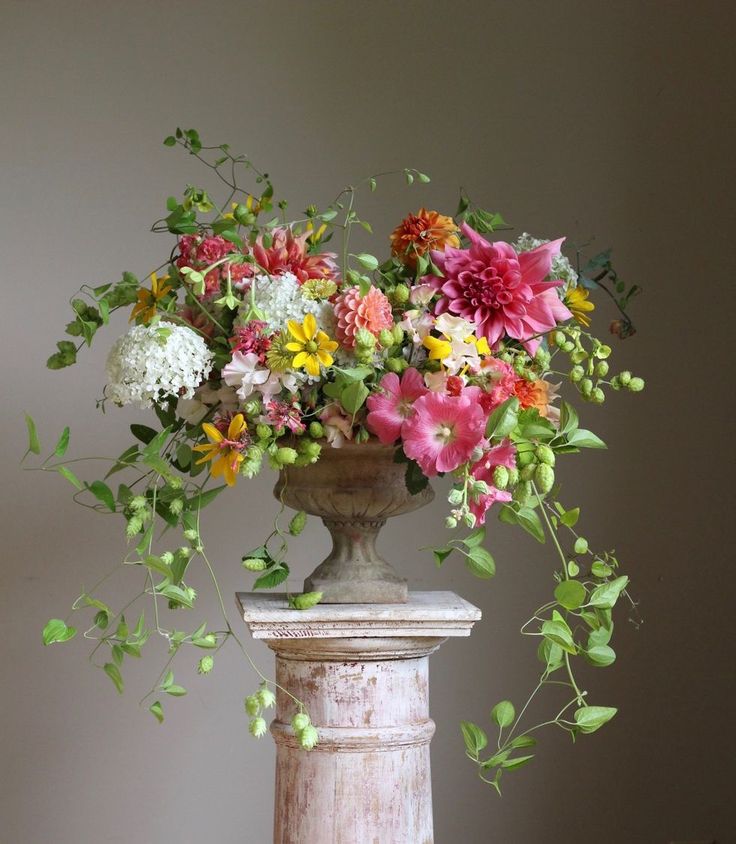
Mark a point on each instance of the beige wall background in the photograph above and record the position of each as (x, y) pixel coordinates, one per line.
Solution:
(577, 118)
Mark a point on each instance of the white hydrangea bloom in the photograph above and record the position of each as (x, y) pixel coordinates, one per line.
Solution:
(151, 363)
(280, 299)
(561, 266)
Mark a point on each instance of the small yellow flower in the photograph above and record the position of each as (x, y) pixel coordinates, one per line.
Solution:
(577, 301)
(438, 349)
(145, 308)
(481, 344)
(224, 451)
(311, 347)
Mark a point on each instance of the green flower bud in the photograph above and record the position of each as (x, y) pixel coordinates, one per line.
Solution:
(519, 364)
(451, 523)
(253, 563)
(542, 357)
(624, 377)
(401, 294)
(176, 506)
(513, 476)
(581, 545)
(601, 369)
(361, 435)
(576, 374)
(138, 502)
(523, 458)
(285, 456)
(306, 600)
(578, 356)
(386, 338)
(167, 557)
(311, 450)
(398, 333)
(559, 338)
(500, 477)
(527, 472)
(258, 727)
(365, 338)
(567, 346)
(586, 387)
(316, 430)
(135, 523)
(206, 664)
(266, 697)
(184, 552)
(469, 520)
(602, 351)
(397, 365)
(174, 482)
(252, 407)
(300, 722)
(191, 534)
(636, 385)
(479, 488)
(263, 432)
(523, 492)
(455, 496)
(252, 705)
(308, 737)
(296, 525)
(544, 478)
(251, 466)
(545, 455)
(615, 383)
(598, 396)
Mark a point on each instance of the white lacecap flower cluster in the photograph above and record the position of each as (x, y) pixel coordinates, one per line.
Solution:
(152, 363)
(561, 266)
(280, 299)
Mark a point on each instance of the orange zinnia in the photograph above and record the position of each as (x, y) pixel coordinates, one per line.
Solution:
(420, 232)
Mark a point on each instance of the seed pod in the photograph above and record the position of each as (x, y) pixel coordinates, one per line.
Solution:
(296, 525)
(527, 472)
(624, 377)
(523, 492)
(285, 456)
(258, 727)
(252, 705)
(300, 722)
(636, 385)
(316, 430)
(545, 455)
(206, 665)
(308, 737)
(386, 338)
(266, 697)
(544, 477)
(500, 477)
(253, 564)
(306, 600)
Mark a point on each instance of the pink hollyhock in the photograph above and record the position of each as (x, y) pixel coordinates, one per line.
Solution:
(502, 292)
(353, 311)
(288, 253)
(501, 455)
(388, 409)
(443, 430)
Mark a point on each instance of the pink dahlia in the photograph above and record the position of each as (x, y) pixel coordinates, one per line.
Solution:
(353, 311)
(501, 455)
(502, 292)
(443, 430)
(388, 409)
(288, 253)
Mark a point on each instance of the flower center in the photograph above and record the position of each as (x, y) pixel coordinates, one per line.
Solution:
(444, 434)
(311, 347)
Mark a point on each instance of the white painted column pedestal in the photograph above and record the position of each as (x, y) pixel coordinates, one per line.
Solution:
(361, 671)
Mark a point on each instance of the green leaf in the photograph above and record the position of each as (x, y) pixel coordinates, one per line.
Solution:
(585, 439)
(530, 521)
(600, 569)
(570, 517)
(606, 595)
(414, 478)
(200, 501)
(600, 655)
(353, 396)
(370, 262)
(33, 444)
(56, 630)
(503, 713)
(175, 691)
(103, 493)
(177, 594)
(513, 764)
(273, 577)
(474, 538)
(157, 564)
(113, 672)
(70, 476)
(143, 433)
(157, 711)
(558, 632)
(503, 419)
(355, 373)
(63, 443)
(591, 718)
(441, 554)
(475, 739)
(571, 594)
(480, 563)
(522, 741)
(568, 418)
(170, 141)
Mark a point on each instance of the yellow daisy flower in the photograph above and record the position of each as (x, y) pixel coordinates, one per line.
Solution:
(311, 347)
(225, 452)
(145, 308)
(577, 301)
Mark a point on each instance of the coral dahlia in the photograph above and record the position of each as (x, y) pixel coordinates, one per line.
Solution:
(502, 292)
(417, 233)
(288, 253)
(353, 311)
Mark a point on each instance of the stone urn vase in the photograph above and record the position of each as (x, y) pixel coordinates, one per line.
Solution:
(354, 489)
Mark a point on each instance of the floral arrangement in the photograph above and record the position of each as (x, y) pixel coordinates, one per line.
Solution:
(256, 344)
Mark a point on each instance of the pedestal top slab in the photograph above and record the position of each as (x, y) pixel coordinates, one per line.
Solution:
(432, 614)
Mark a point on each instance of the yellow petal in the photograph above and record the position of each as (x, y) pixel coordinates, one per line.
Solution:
(236, 427)
(296, 331)
(310, 326)
(325, 358)
(294, 347)
(482, 346)
(312, 364)
(300, 360)
(212, 433)
(438, 349)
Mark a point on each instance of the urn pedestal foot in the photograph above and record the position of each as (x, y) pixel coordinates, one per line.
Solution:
(362, 673)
